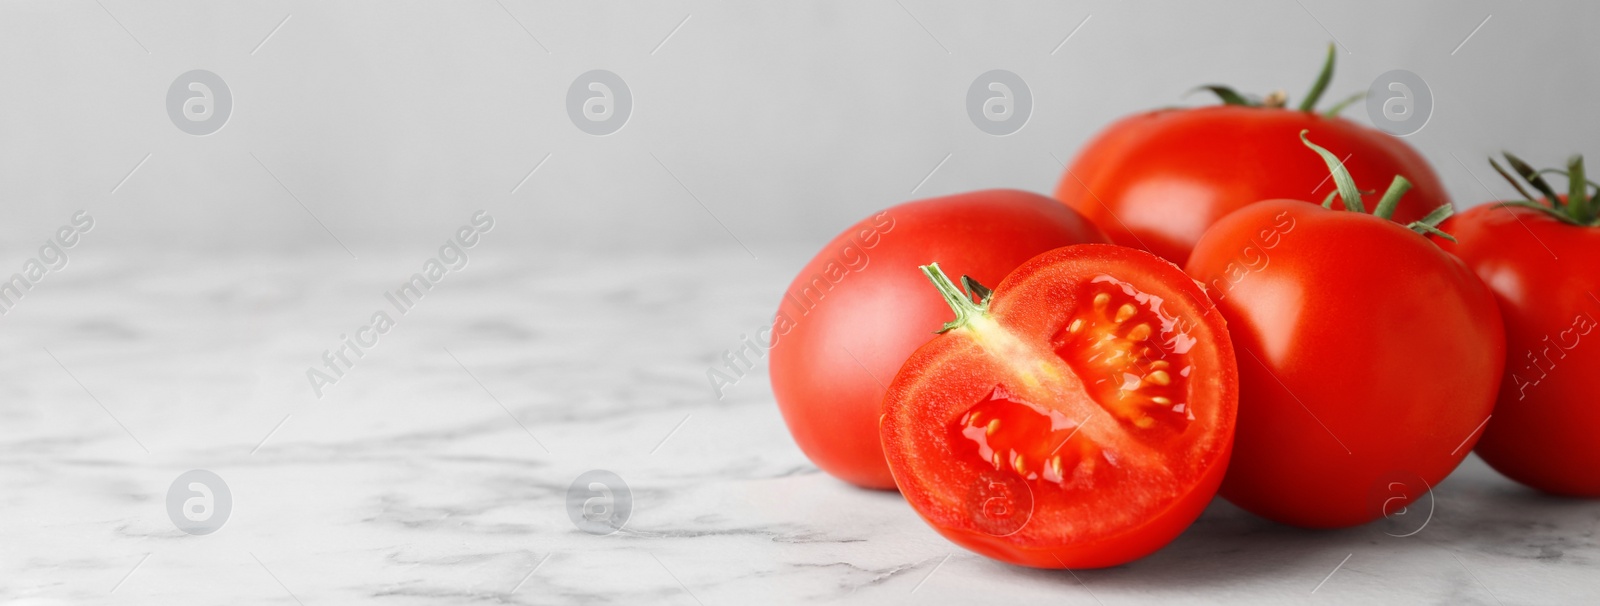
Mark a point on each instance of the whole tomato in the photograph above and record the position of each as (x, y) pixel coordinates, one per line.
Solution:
(1368, 356)
(860, 307)
(1542, 260)
(1157, 180)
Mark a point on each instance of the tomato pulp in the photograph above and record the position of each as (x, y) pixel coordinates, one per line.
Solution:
(1368, 357)
(860, 307)
(1081, 416)
(1157, 180)
(1541, 260)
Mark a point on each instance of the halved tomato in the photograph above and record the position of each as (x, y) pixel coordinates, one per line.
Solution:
(1081, 416)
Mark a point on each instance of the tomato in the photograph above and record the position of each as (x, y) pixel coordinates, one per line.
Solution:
(1543, 263)
(859, 308)
(1080, 417)
(1368, 357)
(1157, 180)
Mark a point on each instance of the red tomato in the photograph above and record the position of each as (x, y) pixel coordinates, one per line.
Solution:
(1081, 417)
(860, 307)
(1368, 358)
(1544, 268)
(1159, 179)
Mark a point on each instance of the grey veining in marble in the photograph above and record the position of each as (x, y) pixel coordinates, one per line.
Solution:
(436, 470)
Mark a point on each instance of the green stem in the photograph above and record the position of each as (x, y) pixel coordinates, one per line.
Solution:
(1578, 191)
(1391, 198)
(1341, 177)
(959, 302)
(1317, 88)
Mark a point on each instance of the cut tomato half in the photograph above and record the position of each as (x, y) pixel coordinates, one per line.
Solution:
(1079, 415)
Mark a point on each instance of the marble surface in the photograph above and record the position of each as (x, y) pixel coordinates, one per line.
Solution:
(436, 469)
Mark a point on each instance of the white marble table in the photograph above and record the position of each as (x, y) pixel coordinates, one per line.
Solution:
(410, 484)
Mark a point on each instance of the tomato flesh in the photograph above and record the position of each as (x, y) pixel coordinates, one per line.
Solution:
(1084, 421)
(1022, 437)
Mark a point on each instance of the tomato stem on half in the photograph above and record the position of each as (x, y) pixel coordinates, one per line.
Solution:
(960, 302)
(1347, 191)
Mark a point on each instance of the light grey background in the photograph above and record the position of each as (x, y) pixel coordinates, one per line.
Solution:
(580, 338)
(394, 121)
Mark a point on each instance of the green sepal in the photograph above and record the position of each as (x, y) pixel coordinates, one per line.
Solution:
(959, 302)
(1341, 178)
(1227, 94)
(1429, 229)
(1321, 84)
(1333, 112)
(976, 291)
(1430, 224)
(1512, 180)
(1577, 209)
(1532, 177)
(1550, 212)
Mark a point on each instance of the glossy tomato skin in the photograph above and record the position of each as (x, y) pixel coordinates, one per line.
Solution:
(1103, 522)
(1368, 358)
(1545, 274)
(858, 309)
(1159, 179)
